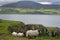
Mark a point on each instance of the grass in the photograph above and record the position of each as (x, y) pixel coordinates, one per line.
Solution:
(10, 37)
(51, 28)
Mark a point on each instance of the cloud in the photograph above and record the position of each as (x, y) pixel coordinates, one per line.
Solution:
(43, 0)
(44, 3)
(2, 2)
(30, 0)
(9, 0)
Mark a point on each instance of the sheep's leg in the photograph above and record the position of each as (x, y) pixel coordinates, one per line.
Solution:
(26, 34)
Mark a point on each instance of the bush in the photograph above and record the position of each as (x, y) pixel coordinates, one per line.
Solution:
(16, 28)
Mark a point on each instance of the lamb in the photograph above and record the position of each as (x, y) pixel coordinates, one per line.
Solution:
(20, 34)
(14, 33)
(17, 34)
(32, 33)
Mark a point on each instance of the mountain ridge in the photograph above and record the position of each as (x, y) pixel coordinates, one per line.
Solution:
(24, 4)
(31, 5)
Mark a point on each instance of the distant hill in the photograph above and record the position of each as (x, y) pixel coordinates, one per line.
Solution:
(31, 5)
(52, 6)
(24, 4)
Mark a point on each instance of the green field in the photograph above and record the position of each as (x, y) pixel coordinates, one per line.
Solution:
(5, 35)
(28, 11)
(10, 37)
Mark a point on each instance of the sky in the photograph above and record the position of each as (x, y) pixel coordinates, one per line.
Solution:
(11, 1)
(30, 0)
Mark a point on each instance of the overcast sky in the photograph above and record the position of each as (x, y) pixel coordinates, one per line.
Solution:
(9, 1)
(30, 0)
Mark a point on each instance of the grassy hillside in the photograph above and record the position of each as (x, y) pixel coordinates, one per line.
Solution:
(4, 24)
(28, 11)
(4, 34)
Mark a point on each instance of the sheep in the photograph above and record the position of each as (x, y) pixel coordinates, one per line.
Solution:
(14, 33)
(52, 33)
(20, 34)
(32, 33)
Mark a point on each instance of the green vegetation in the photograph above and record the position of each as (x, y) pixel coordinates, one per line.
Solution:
(4, 24)
(28, 11)
(10, 37)
(52, 28)
(5, 35)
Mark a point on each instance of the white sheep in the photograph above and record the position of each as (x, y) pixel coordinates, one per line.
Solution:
(32, 33)
(14, 33)
(20, 34)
